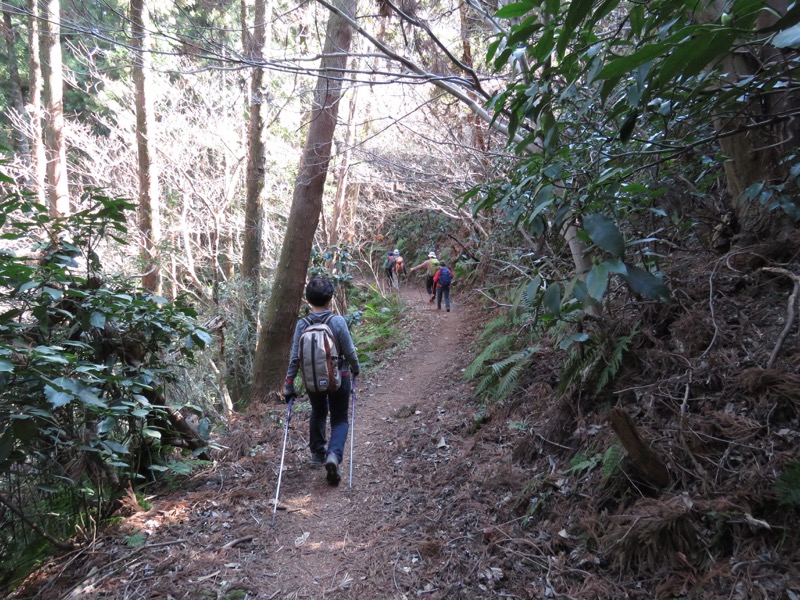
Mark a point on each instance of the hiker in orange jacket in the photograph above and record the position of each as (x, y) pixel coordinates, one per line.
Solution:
(431, 266)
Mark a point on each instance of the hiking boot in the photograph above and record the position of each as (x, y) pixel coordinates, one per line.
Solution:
(332, 467)
(317, 459)
(448, 310)
(432, 299)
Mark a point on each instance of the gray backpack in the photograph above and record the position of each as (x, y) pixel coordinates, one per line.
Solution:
(319, 356)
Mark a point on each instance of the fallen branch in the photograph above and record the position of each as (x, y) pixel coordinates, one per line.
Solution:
(790, 312)
(645, 460)
(492, 299)
(238, 541)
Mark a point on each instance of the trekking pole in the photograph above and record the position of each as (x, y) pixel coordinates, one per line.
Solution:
(283, 453)
(352, 429)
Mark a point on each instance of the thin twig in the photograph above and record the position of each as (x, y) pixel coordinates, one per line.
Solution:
(238, 541)
(790, 312)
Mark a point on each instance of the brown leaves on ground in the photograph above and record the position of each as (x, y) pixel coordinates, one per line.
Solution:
(548, 510)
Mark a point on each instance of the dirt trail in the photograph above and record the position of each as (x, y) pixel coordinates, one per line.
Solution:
(215, 539)
(345, 525)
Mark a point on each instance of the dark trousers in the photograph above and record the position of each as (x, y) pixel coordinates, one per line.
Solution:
(429, 284)
(336, 403)
(443, 291)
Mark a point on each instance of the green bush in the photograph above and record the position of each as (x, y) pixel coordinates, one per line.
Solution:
(83, 360)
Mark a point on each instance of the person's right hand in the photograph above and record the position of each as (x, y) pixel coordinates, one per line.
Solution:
(288, 390)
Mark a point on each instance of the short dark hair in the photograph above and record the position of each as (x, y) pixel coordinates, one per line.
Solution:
(319, 291)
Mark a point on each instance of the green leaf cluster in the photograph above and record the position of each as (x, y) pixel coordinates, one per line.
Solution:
(609, 103)
(84, 356)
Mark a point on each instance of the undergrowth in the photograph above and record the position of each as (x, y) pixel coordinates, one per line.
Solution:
(374, 322)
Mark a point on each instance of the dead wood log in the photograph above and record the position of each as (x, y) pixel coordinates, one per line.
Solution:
(643, 458)
(192, 438)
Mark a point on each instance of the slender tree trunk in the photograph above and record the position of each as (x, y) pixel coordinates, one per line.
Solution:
(38, 156)
(149, 197)
(275, 338)
(251, 251)
(241, 362)
(20, 139)
(55, 145)
(340, 213)
(477, 125)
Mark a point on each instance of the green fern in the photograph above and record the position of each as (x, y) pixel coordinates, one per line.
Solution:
(613, 364)
(508, 382)
(498, 346)
(583, 462)
(492, 326)
(788, 485)
(503, 375)
(594, 364)
(570, 372)
(612, 458)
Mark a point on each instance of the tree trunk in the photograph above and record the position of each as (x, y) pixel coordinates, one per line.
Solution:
(275, 338)
(20, 139)
(340, 212)
(149, 200)
(55, 146)
(755, 155)
(38, 156)
(241, 361)
(251, 251)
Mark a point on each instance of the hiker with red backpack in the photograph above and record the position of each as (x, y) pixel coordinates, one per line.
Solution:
(324, 353)
(431, 266)
(441, 284)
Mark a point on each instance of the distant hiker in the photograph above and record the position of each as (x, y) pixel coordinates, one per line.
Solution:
(388, 267)
(431, 266)
(399, 267)
(319, 292)
(441, 283)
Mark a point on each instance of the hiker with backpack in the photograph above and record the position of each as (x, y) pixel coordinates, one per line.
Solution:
(431, 266)
(324, 354)
(399, 267)
(441, 283)
(389, 267)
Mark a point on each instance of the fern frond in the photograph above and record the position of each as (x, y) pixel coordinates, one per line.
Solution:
(609, 372)
(492, 326)
(508, 383)
(485, 384)
(570, 372)
(612, 458)
(502, 366)
(505, 342)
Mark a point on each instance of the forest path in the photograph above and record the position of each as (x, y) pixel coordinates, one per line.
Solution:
(212, 537)
(328, 541)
